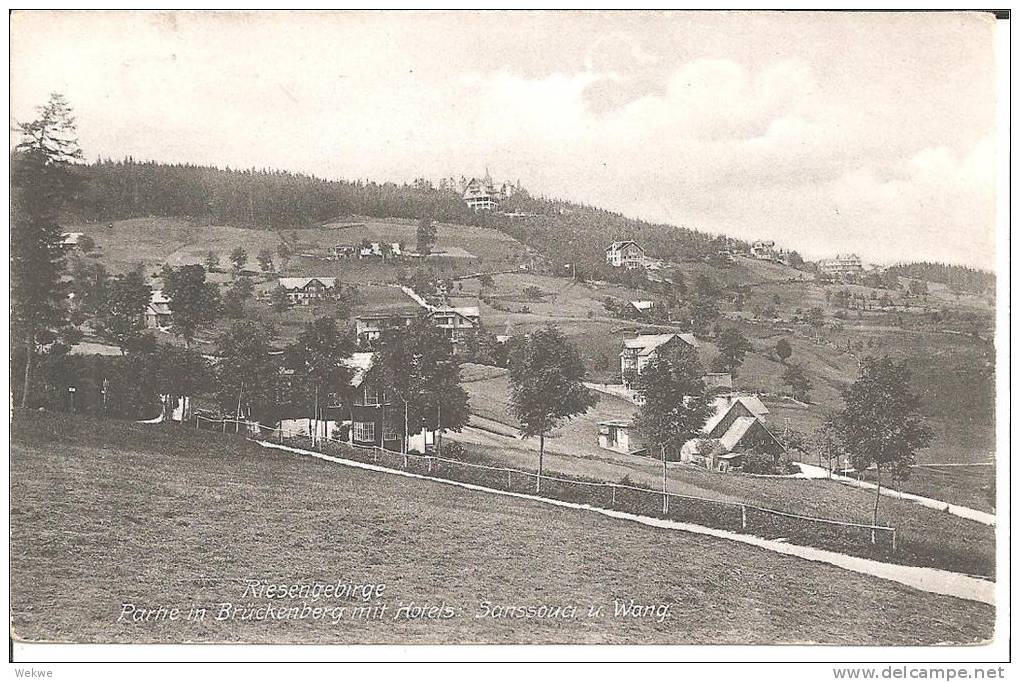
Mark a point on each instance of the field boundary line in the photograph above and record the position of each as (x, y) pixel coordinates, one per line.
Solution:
(932, 580)
(940, 505)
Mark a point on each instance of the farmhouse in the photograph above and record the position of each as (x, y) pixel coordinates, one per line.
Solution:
(157, 312)
(736, 426)
(625, 254)
(377, 417)
(640, 350)
(380, 250)
(763, 249)
(341, 251)
(306, 289)
(69, 240)
(370, 326)
(843, 266)
(642, 307)
(458, 323)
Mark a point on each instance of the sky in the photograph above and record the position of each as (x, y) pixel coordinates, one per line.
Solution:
(827, 132)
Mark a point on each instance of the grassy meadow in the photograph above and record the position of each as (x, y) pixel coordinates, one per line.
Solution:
(106, 513)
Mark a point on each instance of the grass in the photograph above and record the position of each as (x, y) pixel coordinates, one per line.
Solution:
(104, 513)
(926, 537)
(970, 486)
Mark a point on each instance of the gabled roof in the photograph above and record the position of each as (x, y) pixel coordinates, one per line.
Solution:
(302, 282)
(361, 363)
(619, 245)
(469, 313)
(159, 303)
(722, 406)
(387, 315)
(646, 344)
(738, 429)
(754, 405)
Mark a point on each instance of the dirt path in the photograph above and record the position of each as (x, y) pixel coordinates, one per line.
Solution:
(499, 435)
(931, 503)
(931, 580)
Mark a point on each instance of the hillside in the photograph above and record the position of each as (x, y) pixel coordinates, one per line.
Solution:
(272, 199)
(766, 301)
(104, 513)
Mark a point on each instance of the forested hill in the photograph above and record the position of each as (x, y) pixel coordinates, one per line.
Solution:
(266, 199)
(957, 277)
(270, 199)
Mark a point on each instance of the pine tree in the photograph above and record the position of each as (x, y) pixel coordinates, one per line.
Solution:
(42, 180)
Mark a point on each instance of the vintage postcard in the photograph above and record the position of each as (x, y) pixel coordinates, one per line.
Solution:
(508, 327)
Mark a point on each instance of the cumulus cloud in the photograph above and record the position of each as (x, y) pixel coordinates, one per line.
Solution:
(784, 126)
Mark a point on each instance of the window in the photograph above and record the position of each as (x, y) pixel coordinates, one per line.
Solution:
(390, 431)
(364, 432)
(371, 395)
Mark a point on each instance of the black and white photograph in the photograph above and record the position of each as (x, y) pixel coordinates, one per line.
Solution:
(435, 328)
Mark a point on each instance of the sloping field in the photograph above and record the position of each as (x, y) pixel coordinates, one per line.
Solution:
(927, 537)
(105, 514)
(154, 241)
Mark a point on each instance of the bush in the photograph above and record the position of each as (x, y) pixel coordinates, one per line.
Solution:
(759, 463)
(453, 450)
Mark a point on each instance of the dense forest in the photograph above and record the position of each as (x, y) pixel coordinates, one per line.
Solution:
(266, 199)
(956, 277)
(272, 199)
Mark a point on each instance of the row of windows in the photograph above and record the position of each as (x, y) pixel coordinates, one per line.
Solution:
(364, 432)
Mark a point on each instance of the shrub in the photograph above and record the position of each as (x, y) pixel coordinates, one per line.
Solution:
(759, 463)
(453, 450)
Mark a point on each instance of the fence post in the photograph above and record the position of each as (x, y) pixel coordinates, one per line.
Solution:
(743, 516)
(196, 421)
(279, 435)
(613, 504)
(872, 535)
(224, 426)
(429, 462)
(509, 485)
(894, 539)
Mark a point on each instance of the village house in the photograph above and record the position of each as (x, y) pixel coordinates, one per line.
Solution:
(370, 326)
(843, 266)
(304, 290)
(375, 421)
(376, 416)
(642, 307)
(619, 435)
(626, 254)
(380, 250)
(736, 426)
(640, 350)
(341, 251)
(763, 249)
(157, 312)
(457, 323)
(482, 194)
(69, 240)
